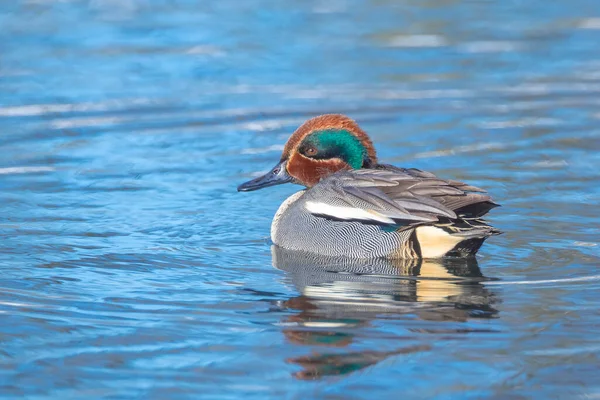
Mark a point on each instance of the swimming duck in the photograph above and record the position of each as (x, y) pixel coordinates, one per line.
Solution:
(355, 207)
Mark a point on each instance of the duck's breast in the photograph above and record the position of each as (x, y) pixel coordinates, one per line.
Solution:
(283, 208)
(295, 228)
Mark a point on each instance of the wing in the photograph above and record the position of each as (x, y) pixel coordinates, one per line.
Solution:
(466, 200)
(390, 197)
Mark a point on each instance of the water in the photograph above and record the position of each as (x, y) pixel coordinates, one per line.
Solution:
(132, 268)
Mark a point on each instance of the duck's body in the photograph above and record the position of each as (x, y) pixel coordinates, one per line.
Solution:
(383, 213)
(357, 208)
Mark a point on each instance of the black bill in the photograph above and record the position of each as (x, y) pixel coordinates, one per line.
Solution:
(276, 176)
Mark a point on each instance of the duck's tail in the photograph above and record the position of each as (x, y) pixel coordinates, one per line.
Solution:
(453, 238)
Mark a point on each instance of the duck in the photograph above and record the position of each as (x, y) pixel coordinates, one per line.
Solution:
(356, 207)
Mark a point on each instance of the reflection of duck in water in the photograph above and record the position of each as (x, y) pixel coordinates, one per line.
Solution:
(340, 296)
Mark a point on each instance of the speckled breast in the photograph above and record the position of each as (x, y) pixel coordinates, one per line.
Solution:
(295, 228)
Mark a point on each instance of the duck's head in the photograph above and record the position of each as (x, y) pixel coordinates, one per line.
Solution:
(318, 148)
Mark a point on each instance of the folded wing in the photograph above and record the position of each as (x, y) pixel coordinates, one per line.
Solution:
(394, 196)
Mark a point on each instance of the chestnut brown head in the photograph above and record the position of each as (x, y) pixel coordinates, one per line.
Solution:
(318, 148)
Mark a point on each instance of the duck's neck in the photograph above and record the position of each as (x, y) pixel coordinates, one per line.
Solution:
(368, 164)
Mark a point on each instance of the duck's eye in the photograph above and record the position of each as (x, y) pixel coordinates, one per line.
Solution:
(310, 151)
(276, 171)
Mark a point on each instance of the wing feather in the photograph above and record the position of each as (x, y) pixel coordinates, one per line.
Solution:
(395, 196)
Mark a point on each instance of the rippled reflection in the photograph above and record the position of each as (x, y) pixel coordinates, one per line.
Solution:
(339, 295)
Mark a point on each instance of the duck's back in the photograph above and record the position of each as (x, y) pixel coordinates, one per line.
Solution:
(383, 213)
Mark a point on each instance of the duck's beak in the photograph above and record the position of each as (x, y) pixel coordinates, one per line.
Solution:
(276, 176)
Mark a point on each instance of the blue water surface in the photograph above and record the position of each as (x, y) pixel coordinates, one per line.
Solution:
(131, 267)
